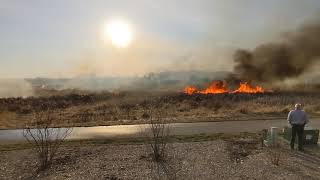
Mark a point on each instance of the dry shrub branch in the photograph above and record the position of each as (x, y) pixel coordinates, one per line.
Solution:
(158, 136)
(274, 152)
(45, 139)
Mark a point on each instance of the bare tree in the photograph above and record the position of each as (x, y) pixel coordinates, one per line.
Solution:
(45, 139)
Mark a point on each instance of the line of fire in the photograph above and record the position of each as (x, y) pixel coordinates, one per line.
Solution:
(220, 87)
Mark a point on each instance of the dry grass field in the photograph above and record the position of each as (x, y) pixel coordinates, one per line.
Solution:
(81, 108)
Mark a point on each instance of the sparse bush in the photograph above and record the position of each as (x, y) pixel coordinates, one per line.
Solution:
(45, 139)
(159, 136)
(157, 141)
(274, 152)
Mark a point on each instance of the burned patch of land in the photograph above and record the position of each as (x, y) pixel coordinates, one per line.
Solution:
(105, 108)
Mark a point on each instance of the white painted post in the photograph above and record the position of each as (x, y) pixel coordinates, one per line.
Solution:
(274, 135)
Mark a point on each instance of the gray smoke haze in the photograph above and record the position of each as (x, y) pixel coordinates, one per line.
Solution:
(278, 61)
(15, 88)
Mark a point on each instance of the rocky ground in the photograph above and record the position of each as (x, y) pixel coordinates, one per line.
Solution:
(241, 158)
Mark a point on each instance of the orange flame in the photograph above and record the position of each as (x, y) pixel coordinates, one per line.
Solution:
(219, 87)
(246, 88)
(190, 90)
(216, 87)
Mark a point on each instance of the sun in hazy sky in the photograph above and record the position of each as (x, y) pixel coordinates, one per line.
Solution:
(119, 32)
(51, 38)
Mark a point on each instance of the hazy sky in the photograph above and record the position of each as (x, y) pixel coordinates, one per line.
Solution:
(63, 38)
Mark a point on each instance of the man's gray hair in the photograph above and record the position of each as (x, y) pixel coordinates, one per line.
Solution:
(298, 106)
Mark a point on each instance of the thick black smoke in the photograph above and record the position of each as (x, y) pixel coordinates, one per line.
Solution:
(278, 61)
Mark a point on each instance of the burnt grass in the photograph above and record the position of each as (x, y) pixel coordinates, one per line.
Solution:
(106, 108)
(30, 104)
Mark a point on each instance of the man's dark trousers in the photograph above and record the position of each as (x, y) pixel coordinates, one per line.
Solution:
(297, 130)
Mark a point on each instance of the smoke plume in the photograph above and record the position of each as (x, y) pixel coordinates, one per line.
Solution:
(278, 61)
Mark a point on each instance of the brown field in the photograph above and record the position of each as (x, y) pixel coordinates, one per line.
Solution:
(81, 108)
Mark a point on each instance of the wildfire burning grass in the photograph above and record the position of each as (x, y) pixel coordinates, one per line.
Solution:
(219, 87)
(105, 108)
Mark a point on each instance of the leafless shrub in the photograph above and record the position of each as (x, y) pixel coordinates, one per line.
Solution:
(162, 166)
(159, 136)
(45, 139)
(274, 152)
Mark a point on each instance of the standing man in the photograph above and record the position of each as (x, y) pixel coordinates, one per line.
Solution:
(298, 119)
